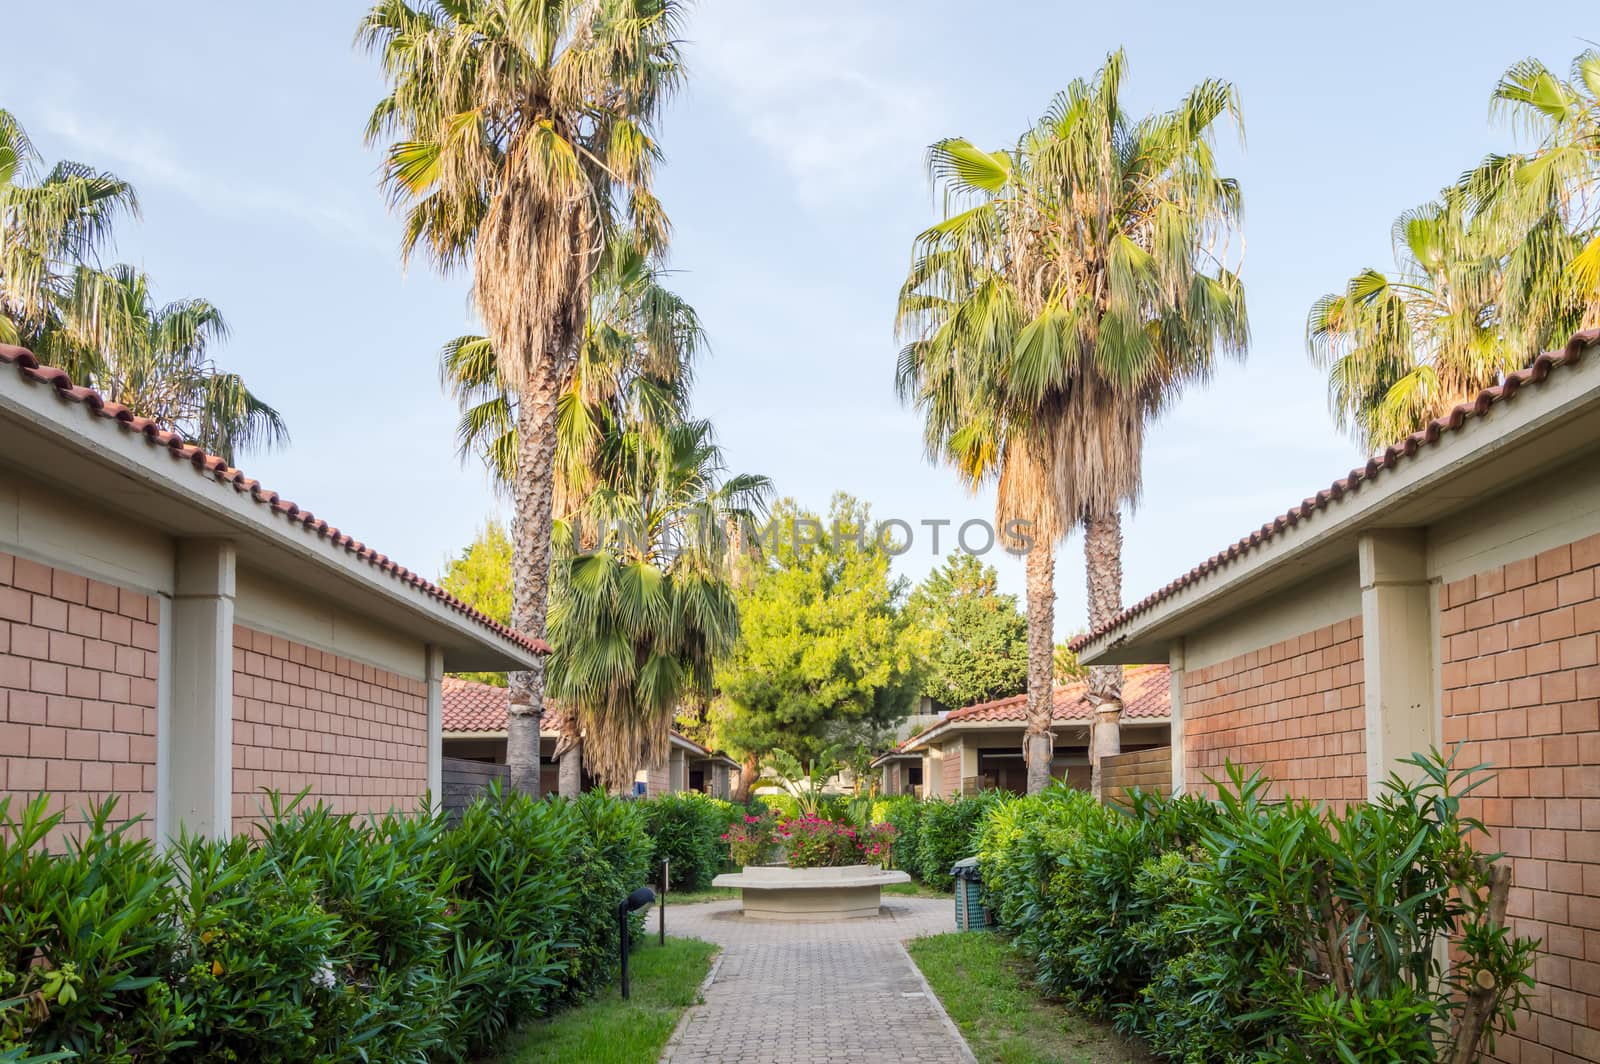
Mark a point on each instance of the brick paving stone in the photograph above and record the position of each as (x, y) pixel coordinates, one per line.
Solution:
(788, 993)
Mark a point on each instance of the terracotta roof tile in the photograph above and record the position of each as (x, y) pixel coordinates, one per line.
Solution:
(208, 465)
(1390, 458)
(1146, 696)
(470, 706)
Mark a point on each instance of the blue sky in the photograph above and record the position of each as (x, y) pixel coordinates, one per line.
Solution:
(795, 186)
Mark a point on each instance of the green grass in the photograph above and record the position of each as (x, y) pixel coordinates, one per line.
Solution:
(915, 889)
(986, 990)
(690, 897)
(607, 1030)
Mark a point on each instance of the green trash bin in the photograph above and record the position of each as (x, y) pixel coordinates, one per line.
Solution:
(971, 913)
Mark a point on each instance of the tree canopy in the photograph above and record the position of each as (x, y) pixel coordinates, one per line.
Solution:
(825, 652)
(102, 324)
(1079, 280)
(974, 639)
(520, 141)
(480, 576)
(641, 616)
(1504, 264)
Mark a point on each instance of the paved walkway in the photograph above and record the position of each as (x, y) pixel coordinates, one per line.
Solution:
(793, 993)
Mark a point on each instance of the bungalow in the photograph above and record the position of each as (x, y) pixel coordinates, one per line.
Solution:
(1446, 593)
(176, 635)
(980, 747)
(475, 730)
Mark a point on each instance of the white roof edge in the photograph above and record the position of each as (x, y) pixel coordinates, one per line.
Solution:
(1533, 409)
(949, 728)
(109, 443)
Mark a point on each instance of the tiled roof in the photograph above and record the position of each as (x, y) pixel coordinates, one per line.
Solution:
(1146, 696)
(1390, 458)
(209, 465)
(470, 706)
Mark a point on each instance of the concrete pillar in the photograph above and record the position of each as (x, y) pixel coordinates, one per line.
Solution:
(435, 681)
(1175, 667)
(195, 743)
(677, 772)
(165, 828)
(1397, 643)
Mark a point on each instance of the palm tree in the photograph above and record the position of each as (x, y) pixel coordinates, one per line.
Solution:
(521, 135)
(1503, 265)
(632, 374)
(49, 226)
(636, 362)
(102, 325)
(1077, 282)
(1544, 205)
(640, 614)
(1402, 350)
(155, 359)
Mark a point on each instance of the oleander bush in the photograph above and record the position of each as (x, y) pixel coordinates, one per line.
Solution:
(948, 832)
(87, 941)
(687, 830)
(1246, 929)
(904, 814)
(323, 938)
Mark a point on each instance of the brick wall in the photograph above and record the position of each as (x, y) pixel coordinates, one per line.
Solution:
(356, 735)
(78, 664)
(1521, 687)
(1294, 709)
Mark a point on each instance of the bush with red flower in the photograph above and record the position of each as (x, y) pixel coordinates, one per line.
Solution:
(750, 839)
(877, 846)
(812, 842)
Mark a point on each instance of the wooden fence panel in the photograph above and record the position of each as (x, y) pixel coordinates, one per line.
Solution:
(465, 780)
(1148, 770)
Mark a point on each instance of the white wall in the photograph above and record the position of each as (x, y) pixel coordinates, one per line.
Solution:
(54, 529)
(271, 606)
(1559, 507)
(1329, 598)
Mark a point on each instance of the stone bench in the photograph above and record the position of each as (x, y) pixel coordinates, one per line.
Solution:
(774, 892)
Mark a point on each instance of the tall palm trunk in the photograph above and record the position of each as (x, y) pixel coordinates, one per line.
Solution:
(570, 783)
(569, 752)
(1037, 742)
(533, 492)
(1102, 549)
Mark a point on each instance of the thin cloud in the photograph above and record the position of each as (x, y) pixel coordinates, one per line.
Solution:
(809, 86)
(147, 155)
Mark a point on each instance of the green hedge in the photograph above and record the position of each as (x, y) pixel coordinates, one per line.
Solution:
(948, 832)
(904, 814)
(326, 938)
(930, 836)
(687, 829)
(1251, 930)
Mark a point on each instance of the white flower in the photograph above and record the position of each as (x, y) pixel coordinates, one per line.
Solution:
(324, 976)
